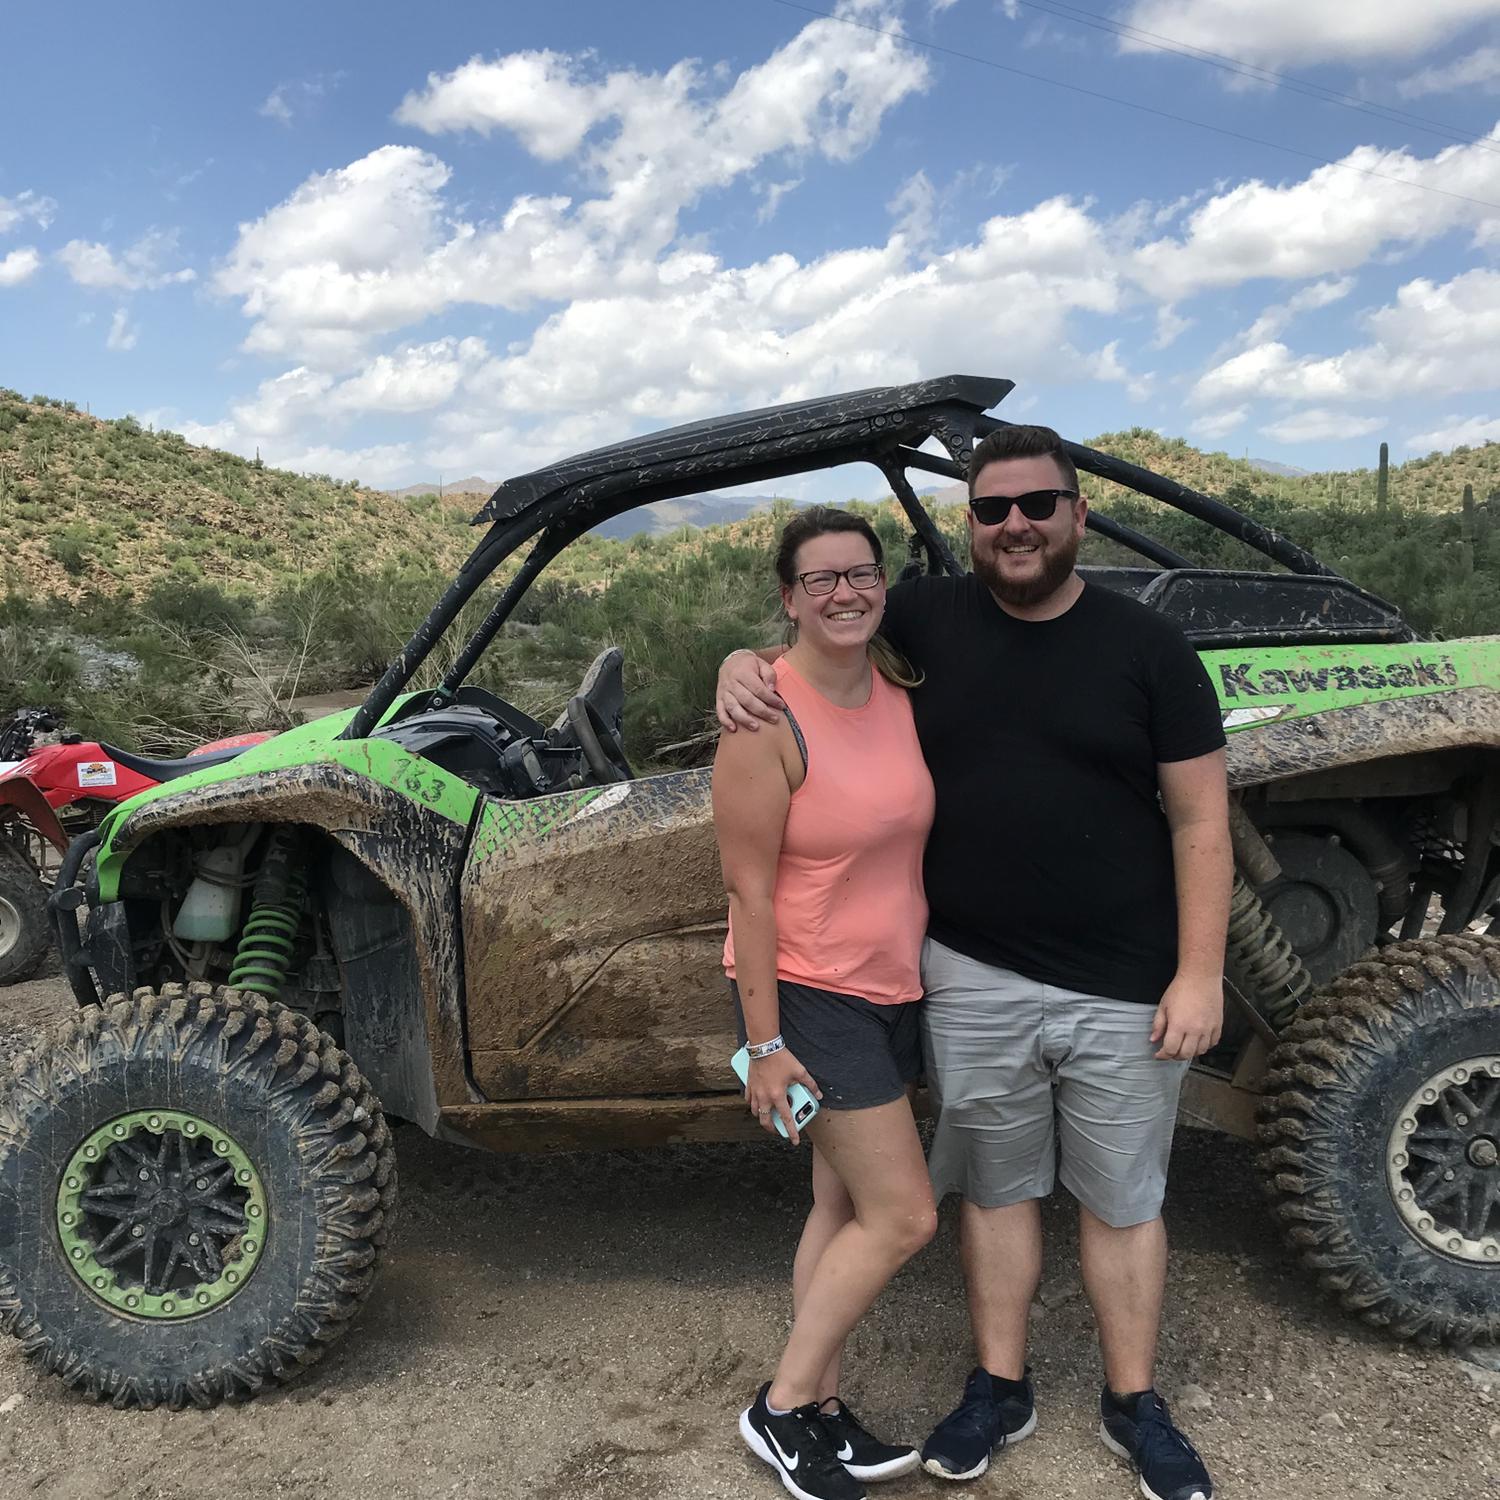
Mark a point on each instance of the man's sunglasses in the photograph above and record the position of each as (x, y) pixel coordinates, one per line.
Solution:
(826, 580)
(1035, 505)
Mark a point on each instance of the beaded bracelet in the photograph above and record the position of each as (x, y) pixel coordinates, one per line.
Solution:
(758, 1050)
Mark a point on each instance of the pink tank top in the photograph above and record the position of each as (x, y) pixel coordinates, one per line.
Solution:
(850, 909)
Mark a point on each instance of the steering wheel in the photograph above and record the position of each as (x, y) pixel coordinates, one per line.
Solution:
(600, 744)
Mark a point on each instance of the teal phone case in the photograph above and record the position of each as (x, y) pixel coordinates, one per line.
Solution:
(804, 1106)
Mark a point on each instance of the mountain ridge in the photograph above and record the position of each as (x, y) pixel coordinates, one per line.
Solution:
(88, 504)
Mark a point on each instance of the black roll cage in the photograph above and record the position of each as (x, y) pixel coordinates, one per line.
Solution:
(884, 426)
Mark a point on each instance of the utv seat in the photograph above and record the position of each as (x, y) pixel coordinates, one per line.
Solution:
(170, 770)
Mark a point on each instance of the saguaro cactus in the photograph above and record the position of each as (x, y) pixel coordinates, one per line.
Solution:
(1466, 530)
(1383, 480)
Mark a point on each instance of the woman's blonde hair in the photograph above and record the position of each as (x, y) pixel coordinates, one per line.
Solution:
(820, 520)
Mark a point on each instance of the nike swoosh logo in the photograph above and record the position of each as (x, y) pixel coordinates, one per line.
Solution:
(846, 1453)
(790, 1460)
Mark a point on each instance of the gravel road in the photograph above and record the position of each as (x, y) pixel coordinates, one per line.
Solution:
(570, 1327)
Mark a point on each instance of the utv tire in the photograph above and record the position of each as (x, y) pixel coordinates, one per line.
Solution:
(1381, 1123)
(194, 1188)
(24, 935)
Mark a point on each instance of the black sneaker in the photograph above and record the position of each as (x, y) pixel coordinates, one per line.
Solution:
(798, 1447)
(863, 1455)
(1148, 1439)
(961, 1444)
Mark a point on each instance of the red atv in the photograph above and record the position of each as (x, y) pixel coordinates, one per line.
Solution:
(48, 796)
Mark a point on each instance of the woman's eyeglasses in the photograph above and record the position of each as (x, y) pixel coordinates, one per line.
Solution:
(826, 580)
(1035, 505)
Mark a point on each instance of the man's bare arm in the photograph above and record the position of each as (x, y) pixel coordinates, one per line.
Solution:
(1196, 799)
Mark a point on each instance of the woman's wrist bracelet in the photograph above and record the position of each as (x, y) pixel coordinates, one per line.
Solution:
(758, 1050)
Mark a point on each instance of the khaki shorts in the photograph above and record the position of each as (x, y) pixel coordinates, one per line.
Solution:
(1032, 1082)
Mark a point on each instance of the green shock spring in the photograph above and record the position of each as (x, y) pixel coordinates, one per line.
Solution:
(264, 954)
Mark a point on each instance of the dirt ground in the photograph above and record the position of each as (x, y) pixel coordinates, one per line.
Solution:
(570, 1327)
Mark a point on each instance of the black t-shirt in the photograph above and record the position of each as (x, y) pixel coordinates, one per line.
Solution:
(1050, 854)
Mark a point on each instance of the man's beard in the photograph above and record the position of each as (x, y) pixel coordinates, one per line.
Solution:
(1057, 563)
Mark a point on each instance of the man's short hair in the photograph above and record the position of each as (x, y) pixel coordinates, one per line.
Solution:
(1022, 442)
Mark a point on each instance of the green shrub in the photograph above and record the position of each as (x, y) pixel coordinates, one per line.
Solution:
(71, 548)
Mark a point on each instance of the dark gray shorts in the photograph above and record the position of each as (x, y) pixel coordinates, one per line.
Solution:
(860, 1054)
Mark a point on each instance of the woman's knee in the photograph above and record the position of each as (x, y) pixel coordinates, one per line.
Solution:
(910, 1227)
(924, 1223)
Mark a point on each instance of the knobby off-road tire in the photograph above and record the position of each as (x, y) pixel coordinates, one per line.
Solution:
(24, 935)
(199, 1122)
(1379, 1122)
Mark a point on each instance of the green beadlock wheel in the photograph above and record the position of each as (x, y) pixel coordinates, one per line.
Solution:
(161, 1214)
(195, 1188)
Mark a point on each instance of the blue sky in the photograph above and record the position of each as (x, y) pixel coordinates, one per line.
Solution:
(390, 244)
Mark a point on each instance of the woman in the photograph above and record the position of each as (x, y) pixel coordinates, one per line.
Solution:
(821, 819)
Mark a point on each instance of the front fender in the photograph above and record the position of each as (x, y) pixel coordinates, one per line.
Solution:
(20, 793)
(407, 1040)
(1462, 718)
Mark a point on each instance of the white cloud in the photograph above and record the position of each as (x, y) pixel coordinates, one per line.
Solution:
(122, 332)
(1433, 340)
(276, 108)
(540, 97)
(771, 194)
(1218, 424)
(778, 330)
(1304, 32)
(1275, 319)
(370, 248)
(282, 404)
(1170, 326)
(1466, 431)
(1331, 222)
(1246, 374)
(379, 465)
(264, 428)
(138, 268)
(16, 211)
(19, 265)
(1477, 69)
(1316, 424)
(635, 324)
(300, 97)
(825, 90)
(418, 377)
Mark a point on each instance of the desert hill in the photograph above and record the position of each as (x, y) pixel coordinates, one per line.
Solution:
(89, 505)
(108, 506)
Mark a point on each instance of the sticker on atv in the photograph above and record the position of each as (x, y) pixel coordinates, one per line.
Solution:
(1236, 718)
(96, 773)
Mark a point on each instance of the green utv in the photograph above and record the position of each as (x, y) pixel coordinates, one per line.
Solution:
(437, 907)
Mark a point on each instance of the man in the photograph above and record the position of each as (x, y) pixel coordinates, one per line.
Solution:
(1078, 876)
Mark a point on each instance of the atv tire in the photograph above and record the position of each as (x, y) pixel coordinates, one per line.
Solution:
(24, 935)
(1381, 1123)
(195, 1185)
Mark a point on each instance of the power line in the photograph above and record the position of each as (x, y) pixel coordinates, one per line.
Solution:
(1147, 109)
(1244, 69)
